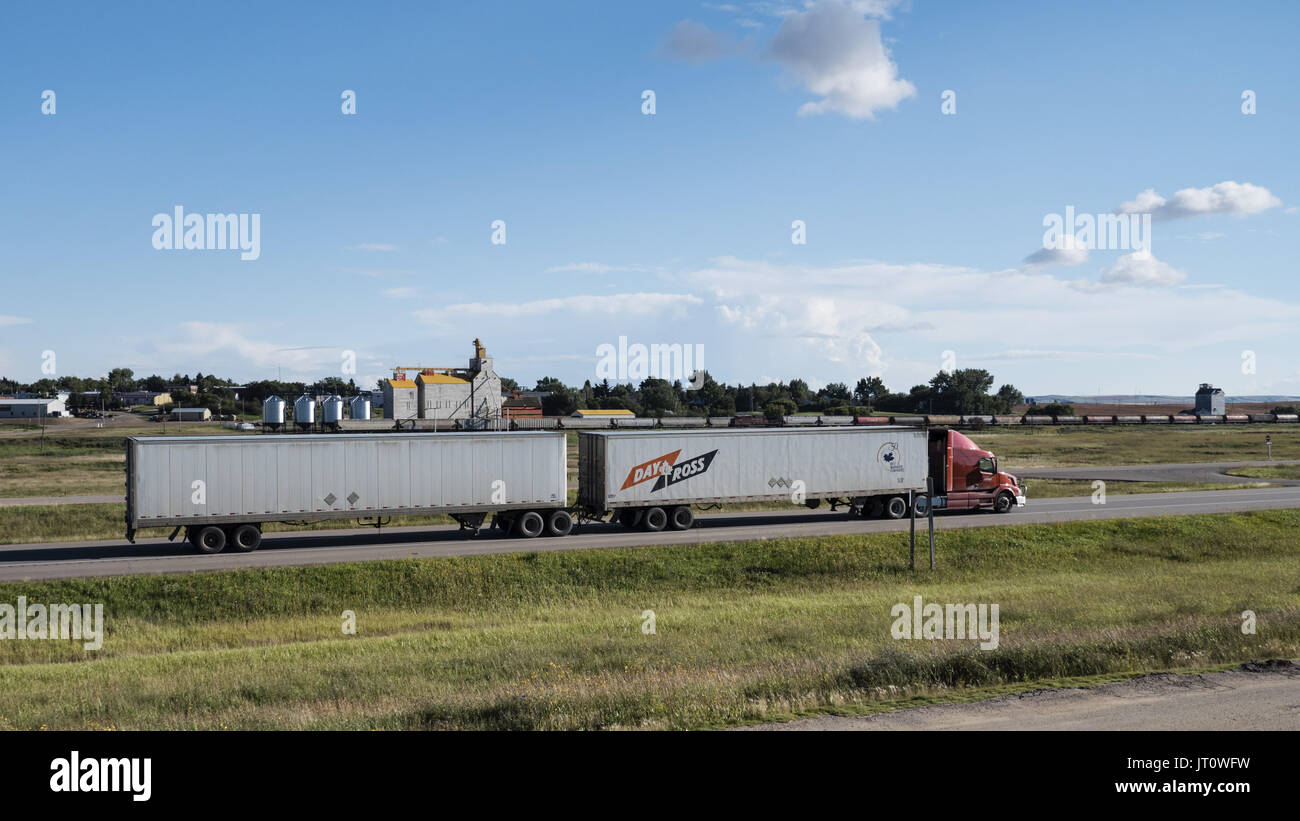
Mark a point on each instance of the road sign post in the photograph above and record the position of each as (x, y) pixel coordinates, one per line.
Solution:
(929, 508)
(911, 528)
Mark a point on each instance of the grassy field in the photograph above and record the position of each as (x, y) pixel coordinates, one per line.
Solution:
(1062, 488)
(1026, 447)
(1269, 472)
(744, 631)
(83, 462)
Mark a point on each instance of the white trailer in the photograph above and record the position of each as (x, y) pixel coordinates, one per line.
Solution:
(223, 488)
(651, 479)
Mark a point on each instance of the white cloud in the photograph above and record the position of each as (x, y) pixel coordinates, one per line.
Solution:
(1142, 268)
(405, 292)
(1067, 251)
(596, 268)
(826, 321)
(372, 246)
(1228, 197)
(13, 320)
(614, 305)
(838, 54)
(204, 341)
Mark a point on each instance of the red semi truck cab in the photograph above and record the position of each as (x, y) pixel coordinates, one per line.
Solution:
(966, 477)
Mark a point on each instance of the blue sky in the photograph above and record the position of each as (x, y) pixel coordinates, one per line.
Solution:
(666, 228)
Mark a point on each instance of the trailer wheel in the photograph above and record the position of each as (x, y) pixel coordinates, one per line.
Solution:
(682, 518)
(1004, 502)
(530, 524)
(246, 538)
(655, 519)
(559, 523)
(895, 507)
(627, 517)
(210, 540)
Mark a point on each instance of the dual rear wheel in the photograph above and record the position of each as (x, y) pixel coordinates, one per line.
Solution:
(890, 507)
(212, 539)
(655, 519)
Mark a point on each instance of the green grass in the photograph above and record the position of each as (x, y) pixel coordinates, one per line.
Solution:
(745, 631)
(1025, 447)
(1269, 472)
(1061, 488)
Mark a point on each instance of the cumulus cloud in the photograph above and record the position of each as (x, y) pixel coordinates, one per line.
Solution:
(619, 305)
(696, 43)
(838, 54)
(1240, 199)
(1141, 268)
(13, 320)
(596, 268)
(783, 318)
(1068, 250)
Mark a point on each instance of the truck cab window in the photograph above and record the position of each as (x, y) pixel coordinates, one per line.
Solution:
(987, 465)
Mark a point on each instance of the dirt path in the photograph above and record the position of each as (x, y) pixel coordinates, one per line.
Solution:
(1257, 696)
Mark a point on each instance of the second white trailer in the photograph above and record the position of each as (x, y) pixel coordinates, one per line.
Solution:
(650, 479)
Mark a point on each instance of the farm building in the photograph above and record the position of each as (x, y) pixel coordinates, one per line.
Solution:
(1210, 400)
(191, 415)
(32, 408)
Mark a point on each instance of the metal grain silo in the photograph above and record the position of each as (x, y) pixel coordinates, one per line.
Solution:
(304, 411)
(360, 407)
(332, 409)
(273, 411)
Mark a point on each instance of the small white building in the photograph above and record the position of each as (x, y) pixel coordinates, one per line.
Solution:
(32, 408)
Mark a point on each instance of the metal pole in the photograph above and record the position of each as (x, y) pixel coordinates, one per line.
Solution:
(911, 507)
(929, 491)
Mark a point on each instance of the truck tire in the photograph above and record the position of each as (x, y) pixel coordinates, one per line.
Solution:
(530, 524)
(209, 539)
(895, 507)
(655, 519)
(245, 538)
(1004, 503)
(627, 517)
(559, 523)
(681, 518)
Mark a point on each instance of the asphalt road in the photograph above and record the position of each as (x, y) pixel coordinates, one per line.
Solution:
(111, 558)
(1245, 699)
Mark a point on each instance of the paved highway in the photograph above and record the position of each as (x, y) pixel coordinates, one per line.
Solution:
(111, 558)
